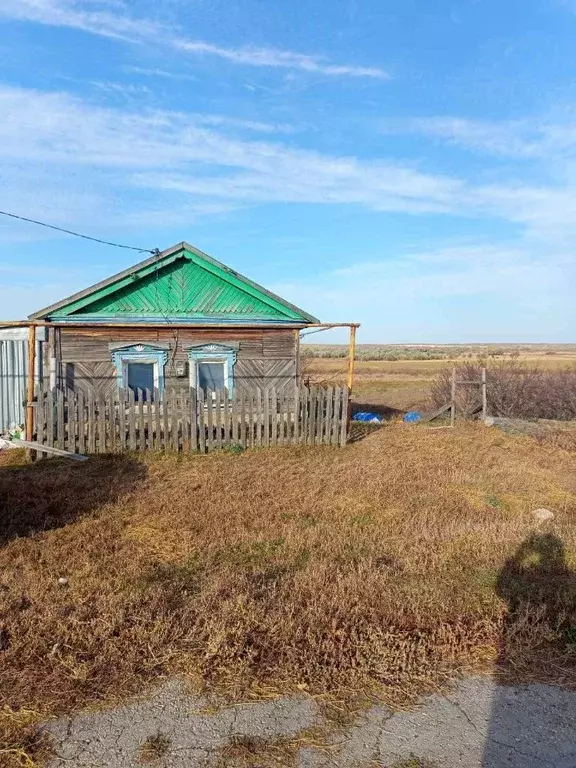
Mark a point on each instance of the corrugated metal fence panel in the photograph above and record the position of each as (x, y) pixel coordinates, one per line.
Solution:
(13, 367)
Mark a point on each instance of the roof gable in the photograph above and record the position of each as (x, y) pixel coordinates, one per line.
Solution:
(180, 283)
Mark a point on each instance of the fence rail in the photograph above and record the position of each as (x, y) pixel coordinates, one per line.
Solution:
(189, 420)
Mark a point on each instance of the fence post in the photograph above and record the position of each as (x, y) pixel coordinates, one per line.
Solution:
(201, 421)
(218, 417)
(484, 396)
(343, 409)
(81, 423)
(60, 417)
(193, 420)
(30, 382)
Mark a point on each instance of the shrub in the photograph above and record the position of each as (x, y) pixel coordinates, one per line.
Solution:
(514, 390)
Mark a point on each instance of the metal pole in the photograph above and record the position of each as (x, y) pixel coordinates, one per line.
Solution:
(30, 382)
(453, 398)
(484, 396)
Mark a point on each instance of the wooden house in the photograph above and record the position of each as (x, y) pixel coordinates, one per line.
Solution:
(177, 319)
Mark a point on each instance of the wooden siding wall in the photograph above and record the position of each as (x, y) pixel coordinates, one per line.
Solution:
(266, 358)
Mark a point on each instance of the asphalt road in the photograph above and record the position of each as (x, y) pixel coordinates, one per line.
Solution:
(478, 724)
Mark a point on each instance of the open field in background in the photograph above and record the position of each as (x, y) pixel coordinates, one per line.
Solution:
(401, 375)
(376, 565)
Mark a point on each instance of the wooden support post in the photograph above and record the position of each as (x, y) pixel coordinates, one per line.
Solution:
(350, 382)
(30, 382)
(453, 398)
(484, 396)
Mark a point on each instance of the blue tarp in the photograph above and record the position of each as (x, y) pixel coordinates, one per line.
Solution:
(370, 418)
(412, 417)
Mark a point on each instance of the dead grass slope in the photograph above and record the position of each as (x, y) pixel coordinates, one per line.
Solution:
(380, 564)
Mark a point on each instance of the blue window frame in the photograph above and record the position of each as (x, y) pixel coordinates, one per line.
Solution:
(140, 366)
(212, 367)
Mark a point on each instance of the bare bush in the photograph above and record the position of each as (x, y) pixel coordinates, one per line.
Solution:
(514, 390)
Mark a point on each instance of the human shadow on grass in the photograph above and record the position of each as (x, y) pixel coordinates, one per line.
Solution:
(50, 494)
(535, 727)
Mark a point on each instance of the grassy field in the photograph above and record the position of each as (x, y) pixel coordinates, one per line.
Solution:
(382, 568)
(404, 383)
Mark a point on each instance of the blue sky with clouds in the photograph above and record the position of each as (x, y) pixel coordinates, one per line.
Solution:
(409, 165)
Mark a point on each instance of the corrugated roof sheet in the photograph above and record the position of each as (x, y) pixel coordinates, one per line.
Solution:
(13, 368)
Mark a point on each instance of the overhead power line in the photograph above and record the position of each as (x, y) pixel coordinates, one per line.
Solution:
(78, 234)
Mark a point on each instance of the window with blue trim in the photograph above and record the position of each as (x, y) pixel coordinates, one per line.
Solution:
(140, 367)
(212, 367)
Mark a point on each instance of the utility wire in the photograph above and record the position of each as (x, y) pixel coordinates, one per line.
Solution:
(77, 234)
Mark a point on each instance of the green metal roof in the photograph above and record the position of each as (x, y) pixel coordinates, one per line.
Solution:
(180, 283)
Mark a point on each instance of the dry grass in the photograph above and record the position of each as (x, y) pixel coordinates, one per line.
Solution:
(154, 748)
(320, 569)
(255, 752)
(392, 387)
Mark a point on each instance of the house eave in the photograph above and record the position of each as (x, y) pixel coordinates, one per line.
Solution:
(172, 321)
(50, 312)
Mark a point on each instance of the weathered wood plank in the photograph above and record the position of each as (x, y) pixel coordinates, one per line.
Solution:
(226, 416)
(282, 417)
(81, 422)
(201, 421)
(267, 417)
(336, 416)
(185, 416)
(46, 449)
(40, 418)
(217, 400)
(244, 434)
(155, 421)
(210, 422)
(259, 417)
(296, 415)
(101, 425)
(150, 418)
(60, 419)
(193, 420)
(72, 421)
(139, 407)
(166, 420)
(434, 414)
(175, 421)
(311, 416)
(344, 419)
(112, 415)
(319, 415)
(235, 417)
(131, 412)
(305, 414)
(122, 423)
(91, 423)
(327, 431)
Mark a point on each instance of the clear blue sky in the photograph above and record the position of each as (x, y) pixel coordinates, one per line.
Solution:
(409, 165)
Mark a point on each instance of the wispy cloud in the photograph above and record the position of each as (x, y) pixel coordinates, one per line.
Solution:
(527, 138)
(175, 152)
(157, 72)
(107, 20)
(96, 18)
(67, 155)
(272, 57)
(525, 290)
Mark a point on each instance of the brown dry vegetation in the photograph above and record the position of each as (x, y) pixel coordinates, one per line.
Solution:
(391, 387)
(376, 566)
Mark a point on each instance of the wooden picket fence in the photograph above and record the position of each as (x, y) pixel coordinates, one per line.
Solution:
(189, 420)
